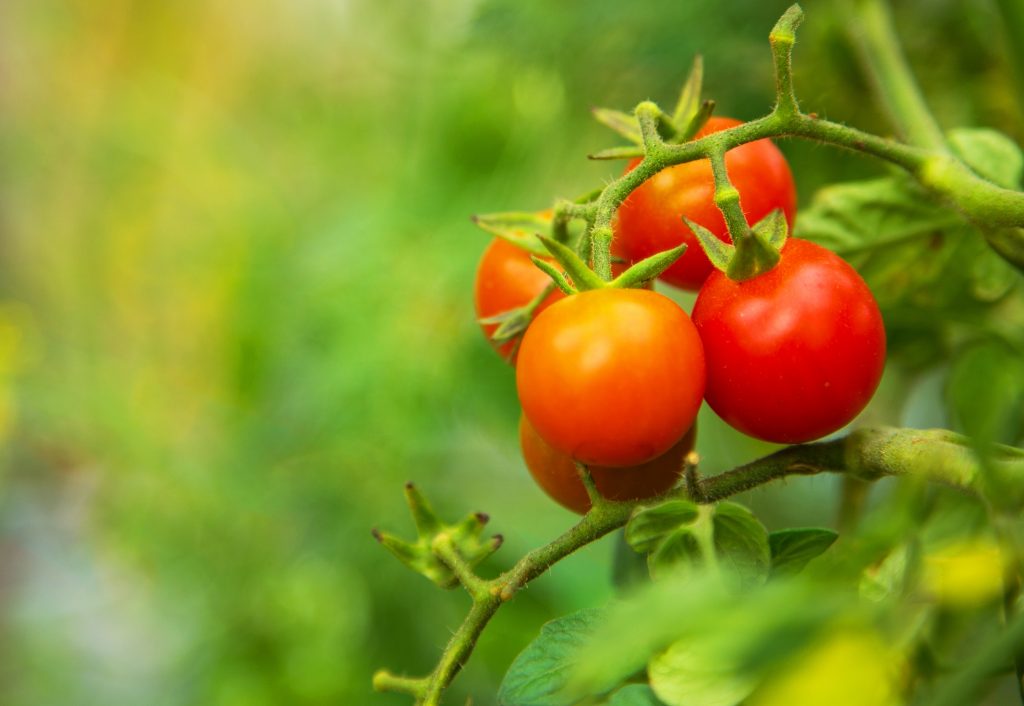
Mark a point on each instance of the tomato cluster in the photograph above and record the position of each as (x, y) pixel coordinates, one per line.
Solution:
(613, 378)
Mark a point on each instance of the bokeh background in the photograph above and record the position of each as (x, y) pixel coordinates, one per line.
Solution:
(236, 265)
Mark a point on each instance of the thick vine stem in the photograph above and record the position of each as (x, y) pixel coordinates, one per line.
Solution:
(866, 454)
(872, 31)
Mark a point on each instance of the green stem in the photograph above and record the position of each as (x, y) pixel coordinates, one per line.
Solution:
(782, 38)
(853, 496)
(998, 212)
(488, 596)
(384, 680)
(1013, 25)
(873, 33)
(866, 455)
(727, 198)
(445, 550)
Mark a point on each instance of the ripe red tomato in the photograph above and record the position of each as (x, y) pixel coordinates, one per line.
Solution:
(795, 353)
(611, 377)
(651, 218)
(507, 279)
(556, 474)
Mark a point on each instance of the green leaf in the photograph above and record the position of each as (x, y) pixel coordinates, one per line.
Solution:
(791, 549)
(985, 392)
(990, 153)
(671, 534)
(583, 278)
(651, 526)
(689, 98)
(756, 629)
(648, 268)
(741, 543)
(887, 578)
(927, 268)
(857, 217)
(635, 695)
(539, 674)
(679, 551)
(623, 123)
(518, 227)
(691, 673)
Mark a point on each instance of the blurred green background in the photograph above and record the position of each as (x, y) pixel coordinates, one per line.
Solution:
(236, 313)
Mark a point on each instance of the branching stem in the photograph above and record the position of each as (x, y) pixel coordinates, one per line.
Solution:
(866, 454)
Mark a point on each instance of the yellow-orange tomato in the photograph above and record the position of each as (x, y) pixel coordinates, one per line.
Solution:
(611, 377)
(556, 473)
(507, 279)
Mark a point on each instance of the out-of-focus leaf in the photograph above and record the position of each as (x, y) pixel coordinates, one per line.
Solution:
(539, 674)
(754, 629)
(985, 392)
(693, 674)
(629, 568)
(850, 668)
(886, 579)
(635, 695)
(679, 551)
(792, 548)
(741, 542)
(856, 217)
(990, 153)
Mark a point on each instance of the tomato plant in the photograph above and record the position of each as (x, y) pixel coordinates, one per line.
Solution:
(795, 353)
(651, 218)
(508, 284)
(787, 343)
(557, 475)
(612, 377)
(506, 279)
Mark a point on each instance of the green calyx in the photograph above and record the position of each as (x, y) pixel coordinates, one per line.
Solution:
(576, 276)
(752, 253)
(464, 541)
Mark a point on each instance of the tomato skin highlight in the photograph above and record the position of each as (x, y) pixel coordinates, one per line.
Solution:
(793, 354)
(650, 219)
(611, 377)
(507, 279)
(556, 473)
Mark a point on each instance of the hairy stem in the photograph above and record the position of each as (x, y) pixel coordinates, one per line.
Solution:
(926, 159)
(865, 455)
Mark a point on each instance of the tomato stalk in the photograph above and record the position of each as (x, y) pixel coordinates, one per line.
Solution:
(867, 454)
(873, 34)
(996, 211)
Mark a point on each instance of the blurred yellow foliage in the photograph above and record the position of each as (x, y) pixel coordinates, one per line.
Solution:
(846, 668)
(966, 573)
